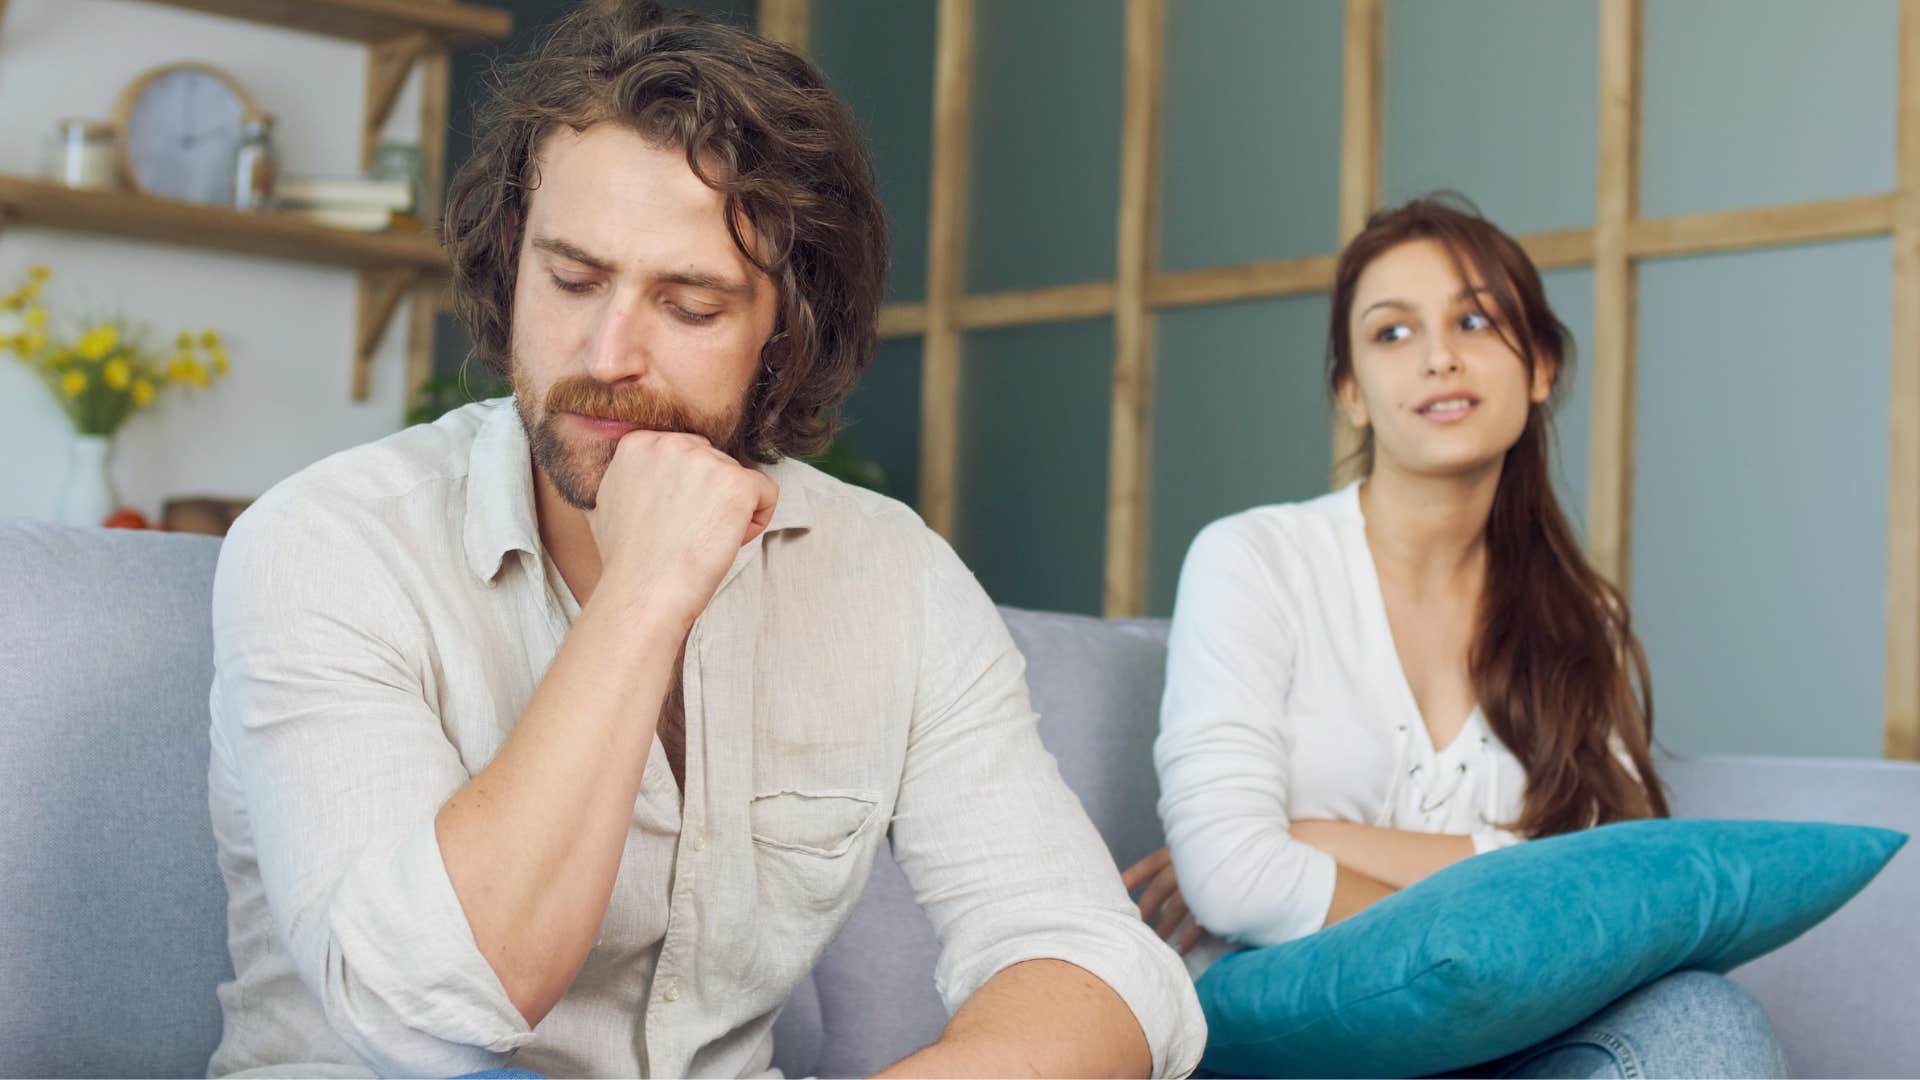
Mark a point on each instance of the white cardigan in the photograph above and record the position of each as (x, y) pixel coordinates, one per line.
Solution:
(1285, 701)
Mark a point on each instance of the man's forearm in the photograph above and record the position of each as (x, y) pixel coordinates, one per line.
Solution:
(532, 844)
(1395, 857)
(1038, 1018)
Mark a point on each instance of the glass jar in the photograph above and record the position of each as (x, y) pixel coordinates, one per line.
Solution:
(399, 161)
(84, 154)
(256, 164)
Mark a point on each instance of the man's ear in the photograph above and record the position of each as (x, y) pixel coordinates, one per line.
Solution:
(510, 232)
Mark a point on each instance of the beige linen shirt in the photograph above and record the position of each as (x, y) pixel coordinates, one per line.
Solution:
(380, 622)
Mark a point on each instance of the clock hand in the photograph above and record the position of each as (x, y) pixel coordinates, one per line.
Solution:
(196, 137)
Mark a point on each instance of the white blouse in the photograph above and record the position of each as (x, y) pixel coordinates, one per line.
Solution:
(1285, 701)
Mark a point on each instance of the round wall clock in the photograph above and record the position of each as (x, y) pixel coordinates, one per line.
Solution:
(179, 125)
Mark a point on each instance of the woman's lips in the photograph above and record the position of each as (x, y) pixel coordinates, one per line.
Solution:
(1449, 410)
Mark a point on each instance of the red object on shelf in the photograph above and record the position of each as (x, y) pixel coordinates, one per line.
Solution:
(124, 518)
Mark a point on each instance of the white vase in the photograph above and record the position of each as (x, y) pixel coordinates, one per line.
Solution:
(88, 496)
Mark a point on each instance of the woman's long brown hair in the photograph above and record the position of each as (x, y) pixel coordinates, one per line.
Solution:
(1555, 664)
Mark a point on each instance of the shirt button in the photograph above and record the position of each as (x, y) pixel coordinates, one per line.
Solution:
(700, 842)
(672, 993)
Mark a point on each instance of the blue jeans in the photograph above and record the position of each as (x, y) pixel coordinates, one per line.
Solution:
(1689, 1024)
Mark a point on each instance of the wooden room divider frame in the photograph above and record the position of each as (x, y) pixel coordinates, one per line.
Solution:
(1618, 240)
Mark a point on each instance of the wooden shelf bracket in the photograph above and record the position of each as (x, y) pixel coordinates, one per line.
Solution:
(388, 65)
(380, 294)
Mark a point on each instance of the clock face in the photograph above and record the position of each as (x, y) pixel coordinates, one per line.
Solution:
(181, 133)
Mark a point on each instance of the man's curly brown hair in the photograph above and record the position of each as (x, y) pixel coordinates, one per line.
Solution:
(759, 125)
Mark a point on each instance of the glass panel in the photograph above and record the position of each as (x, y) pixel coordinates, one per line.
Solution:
(878, 54)
(1251, 136)
(738, 12)
(883, 417)
(450, 345)
(1802, 107)
(1031, 502)
(1045, 170)
(1760, 498)
(1495, 99)
(1570, 294)
(1241, 418)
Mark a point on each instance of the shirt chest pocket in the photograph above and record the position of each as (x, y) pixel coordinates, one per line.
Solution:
(825, 824)
(812, 848)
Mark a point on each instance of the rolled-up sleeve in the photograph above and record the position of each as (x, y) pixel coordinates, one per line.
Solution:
(1000, 854)
(1485, 840)
(1224, 749)
(319, 697)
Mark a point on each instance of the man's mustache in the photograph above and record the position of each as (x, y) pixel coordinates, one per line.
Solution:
(630, 404)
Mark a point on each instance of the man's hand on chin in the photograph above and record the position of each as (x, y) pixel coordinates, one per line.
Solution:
(671, 512)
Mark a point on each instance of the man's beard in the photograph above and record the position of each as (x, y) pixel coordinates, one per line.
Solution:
(576, 466)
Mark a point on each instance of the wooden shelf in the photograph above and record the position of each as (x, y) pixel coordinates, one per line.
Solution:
(375, 22)
(400, 35)
(26, 201)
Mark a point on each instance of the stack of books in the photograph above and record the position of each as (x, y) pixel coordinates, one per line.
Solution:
(360, 203)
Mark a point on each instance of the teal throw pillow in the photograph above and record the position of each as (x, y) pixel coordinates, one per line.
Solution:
(1506, 949)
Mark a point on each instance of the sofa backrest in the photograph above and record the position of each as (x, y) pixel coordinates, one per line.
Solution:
(113, 917)
(1841, 998)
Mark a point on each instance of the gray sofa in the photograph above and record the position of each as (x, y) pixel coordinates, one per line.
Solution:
(112, 926)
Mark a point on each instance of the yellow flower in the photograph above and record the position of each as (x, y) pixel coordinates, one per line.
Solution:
(209, 340)
(96, 343)
(38, 274)
(36, 318)
(142, 394)
(118, 374)
(32, 341)
(20, 297)
(184, 342)
(185, 369)
(219, 357)
(74, 383)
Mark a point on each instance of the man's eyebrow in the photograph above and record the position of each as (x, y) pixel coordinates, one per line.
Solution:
(693, 279)
(717, 284)
(556, 246)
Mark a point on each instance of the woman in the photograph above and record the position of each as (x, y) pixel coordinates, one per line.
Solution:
(1367, 687)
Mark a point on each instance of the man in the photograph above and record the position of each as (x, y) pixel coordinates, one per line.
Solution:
(564, 732)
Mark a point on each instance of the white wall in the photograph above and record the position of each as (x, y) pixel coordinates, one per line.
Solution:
(289, 326)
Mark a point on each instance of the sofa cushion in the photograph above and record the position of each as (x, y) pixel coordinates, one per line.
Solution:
(114, 935)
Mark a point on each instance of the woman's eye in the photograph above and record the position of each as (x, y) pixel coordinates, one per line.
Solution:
(1474, 320)
(694, 317)
(1394, 332)
(565, 285)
